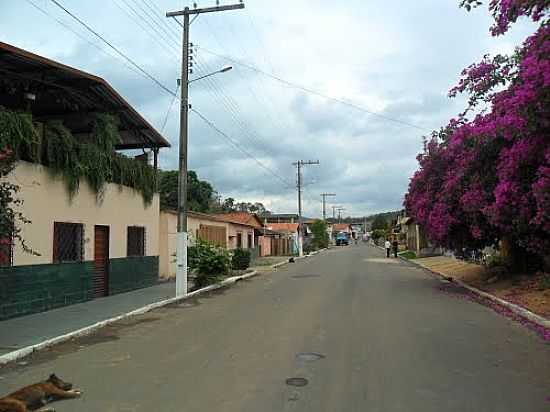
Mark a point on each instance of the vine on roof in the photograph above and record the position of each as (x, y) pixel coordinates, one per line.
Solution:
(94, 159)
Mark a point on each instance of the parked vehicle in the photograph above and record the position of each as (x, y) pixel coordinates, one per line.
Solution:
(342, 238)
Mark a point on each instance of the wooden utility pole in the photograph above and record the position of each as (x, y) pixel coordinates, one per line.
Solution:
(334, 208)
(299, 164)
(324, 196)
(340, 214)
(181, 240)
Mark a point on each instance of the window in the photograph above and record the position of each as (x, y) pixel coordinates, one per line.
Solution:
(239, 240)
(68, 242)
(6, 250)
(136, 241)
(249, 241)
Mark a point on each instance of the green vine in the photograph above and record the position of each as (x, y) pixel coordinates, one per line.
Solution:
(94, 160)
(17, 132)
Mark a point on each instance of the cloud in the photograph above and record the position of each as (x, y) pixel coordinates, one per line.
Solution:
(394, 58)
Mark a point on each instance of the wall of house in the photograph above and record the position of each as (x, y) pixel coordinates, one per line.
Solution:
(34, 283)
(37, 288)
(233, 229)
(168, 224)
(46, 201)
(265, 245)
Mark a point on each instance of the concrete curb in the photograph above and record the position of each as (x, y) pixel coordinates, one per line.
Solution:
(286, 262)
(23, 352)
(516, 309)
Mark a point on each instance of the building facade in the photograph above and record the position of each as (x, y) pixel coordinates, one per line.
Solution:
(94, 224)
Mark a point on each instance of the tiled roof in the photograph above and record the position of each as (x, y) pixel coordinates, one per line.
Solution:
(244, 218)
(213, 217)
(283, 227)
(340, 227)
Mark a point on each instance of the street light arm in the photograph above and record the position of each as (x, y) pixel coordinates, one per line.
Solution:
(225, 69)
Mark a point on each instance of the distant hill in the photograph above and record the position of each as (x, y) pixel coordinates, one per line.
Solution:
(388, 216)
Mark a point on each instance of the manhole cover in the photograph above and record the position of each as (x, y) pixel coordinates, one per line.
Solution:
(305, 276)
(309, 356)
(296, 381)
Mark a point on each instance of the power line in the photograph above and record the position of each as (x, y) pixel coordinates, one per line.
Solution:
(311, 91)
(169, 110)
(162, 26)
(239, 147)
(139, 21)
(66, 26)
(276, 119)
(233, 110)
(137, 66)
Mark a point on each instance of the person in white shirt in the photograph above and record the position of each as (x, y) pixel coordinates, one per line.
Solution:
(387, 245)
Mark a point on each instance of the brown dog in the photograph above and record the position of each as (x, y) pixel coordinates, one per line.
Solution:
(35, 396)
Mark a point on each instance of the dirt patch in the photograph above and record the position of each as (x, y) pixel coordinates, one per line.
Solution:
(521, 290)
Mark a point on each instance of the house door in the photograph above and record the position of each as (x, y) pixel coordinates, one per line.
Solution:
(101, 262)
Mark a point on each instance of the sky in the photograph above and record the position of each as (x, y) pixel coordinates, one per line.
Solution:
(394, 62)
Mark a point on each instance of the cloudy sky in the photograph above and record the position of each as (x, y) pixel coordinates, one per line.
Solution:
(397, 59)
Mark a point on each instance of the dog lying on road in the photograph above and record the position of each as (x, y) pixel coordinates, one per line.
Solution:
(36, 396)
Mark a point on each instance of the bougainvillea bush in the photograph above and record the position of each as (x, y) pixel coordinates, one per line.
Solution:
(487, 178)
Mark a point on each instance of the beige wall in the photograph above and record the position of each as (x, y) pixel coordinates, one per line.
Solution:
(167, 237)
(232, 231)
(167, 244)
(46, 201)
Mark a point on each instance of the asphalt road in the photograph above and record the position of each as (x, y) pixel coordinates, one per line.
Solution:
(391, 338)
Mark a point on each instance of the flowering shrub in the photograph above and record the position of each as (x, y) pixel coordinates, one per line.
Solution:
(488, 178)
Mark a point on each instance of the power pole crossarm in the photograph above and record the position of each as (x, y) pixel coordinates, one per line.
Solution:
(203, 10)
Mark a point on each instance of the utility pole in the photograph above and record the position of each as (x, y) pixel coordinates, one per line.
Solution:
(340, 214)
(181, 240)
(334, 208)
(299, 165)
(324, 196)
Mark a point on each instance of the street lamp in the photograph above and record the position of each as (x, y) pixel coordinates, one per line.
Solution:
(222, 70)
(181, 237)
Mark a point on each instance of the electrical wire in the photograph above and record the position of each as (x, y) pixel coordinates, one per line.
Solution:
(116, 49)
(239, 147)
(309, 90)
(169, 110)
(76, 33)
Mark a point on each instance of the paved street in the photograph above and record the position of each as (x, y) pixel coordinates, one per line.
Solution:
(390, 338)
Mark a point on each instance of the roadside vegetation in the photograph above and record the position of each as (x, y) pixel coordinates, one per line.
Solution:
(484, 178)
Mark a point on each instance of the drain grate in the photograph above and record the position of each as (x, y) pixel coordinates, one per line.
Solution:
(305, 276)
(297, 381)
(309, 356)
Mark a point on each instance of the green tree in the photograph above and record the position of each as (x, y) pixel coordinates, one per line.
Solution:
(200, 193)
(320, 235)
(379, 223)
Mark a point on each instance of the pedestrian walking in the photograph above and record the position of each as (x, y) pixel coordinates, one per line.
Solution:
(387, 245)
(395, 247)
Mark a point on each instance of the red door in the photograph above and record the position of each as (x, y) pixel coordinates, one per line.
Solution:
(101, 261)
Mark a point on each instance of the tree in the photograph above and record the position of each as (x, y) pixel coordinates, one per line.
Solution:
(487, 179)
(200, 194)
(379, 223)
(320, 234)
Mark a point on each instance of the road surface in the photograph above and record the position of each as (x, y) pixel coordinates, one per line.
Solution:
(390, 338)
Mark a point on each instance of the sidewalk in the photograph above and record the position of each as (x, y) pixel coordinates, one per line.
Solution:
(29, 330)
